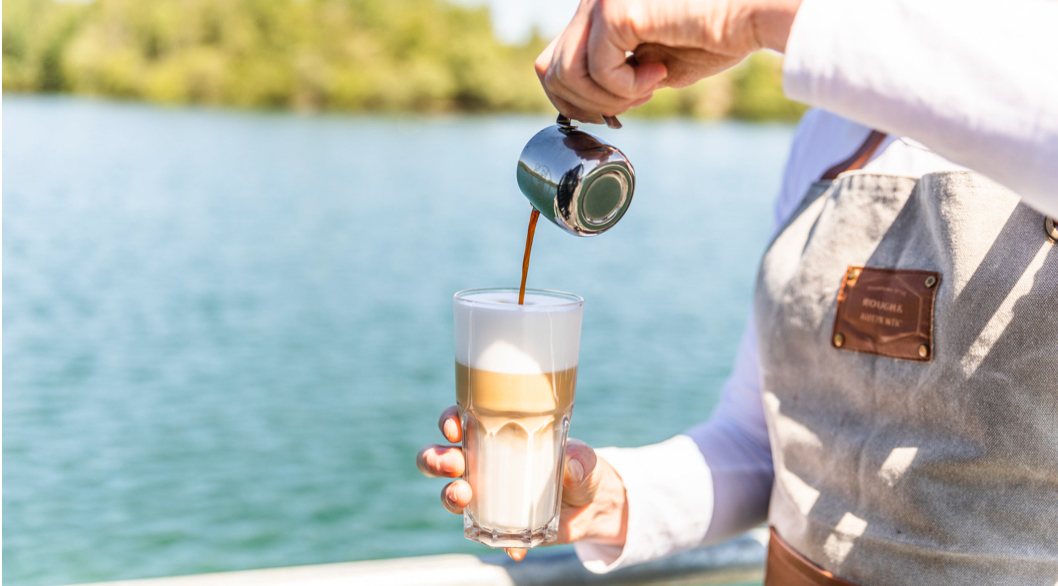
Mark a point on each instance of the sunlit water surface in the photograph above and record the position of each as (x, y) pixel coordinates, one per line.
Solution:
(226, 334)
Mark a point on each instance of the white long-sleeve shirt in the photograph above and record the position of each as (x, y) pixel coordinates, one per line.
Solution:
(975, 81)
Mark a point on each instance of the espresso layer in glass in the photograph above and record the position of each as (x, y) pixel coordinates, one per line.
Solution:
(515, 428)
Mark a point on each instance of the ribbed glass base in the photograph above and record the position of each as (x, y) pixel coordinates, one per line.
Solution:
(495, 538)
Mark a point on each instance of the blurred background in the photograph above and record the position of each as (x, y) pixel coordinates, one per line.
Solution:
(425, 56)
(231, 233)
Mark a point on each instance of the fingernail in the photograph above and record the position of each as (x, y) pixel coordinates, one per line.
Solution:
(459, 493)
(516, 554)
(450, 428)
(574, 471)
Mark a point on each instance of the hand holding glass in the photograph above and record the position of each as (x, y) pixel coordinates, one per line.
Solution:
(516, 371)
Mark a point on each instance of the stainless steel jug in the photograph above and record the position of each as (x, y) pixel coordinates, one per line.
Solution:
(578, 181)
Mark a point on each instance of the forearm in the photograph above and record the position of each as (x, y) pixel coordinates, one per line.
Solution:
(976, 82)
(772, 22)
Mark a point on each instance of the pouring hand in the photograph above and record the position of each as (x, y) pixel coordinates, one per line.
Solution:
(586, 73)
(593, 495)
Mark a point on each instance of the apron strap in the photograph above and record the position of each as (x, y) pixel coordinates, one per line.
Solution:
(858, 158)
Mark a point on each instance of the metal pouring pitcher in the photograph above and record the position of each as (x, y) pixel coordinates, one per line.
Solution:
(578, 181)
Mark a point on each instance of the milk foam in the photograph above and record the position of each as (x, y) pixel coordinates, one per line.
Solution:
(494, 333)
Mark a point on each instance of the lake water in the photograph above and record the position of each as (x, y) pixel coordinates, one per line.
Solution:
(226, 334)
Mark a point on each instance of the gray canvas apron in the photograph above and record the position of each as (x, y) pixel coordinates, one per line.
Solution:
(908, 331)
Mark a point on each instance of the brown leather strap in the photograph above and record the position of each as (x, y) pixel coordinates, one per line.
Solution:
(858, 158)
(787, 567)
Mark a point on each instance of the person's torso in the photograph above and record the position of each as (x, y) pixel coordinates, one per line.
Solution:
(914, 424)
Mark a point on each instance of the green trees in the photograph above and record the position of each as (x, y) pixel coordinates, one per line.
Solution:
(356, 55)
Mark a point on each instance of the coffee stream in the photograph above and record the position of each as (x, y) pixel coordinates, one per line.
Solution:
(533, 217)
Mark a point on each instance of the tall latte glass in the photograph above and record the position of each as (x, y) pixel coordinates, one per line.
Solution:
(516, 368)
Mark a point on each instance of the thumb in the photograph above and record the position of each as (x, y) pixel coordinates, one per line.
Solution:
(579, 480)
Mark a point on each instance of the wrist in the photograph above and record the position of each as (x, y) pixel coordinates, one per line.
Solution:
(772, 21)
(609, 515)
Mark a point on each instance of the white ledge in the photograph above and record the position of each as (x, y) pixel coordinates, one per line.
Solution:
(738, 560)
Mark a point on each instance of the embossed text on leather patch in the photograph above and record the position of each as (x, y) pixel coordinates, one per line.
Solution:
(888, 312)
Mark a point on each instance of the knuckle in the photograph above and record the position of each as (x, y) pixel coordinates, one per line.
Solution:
(549, 80)
(541, 64)
(456, 468)
(555, 75)
(611, 13)
(572, 63)
(618, 15)
(632, 20)
(596, 71)
(454, 463)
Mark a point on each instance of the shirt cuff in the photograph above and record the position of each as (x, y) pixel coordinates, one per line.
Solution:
(670, 503)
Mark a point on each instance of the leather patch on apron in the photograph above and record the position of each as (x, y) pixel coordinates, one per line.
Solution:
(888, 312)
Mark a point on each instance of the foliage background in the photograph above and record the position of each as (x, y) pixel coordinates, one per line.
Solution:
(315, 55)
